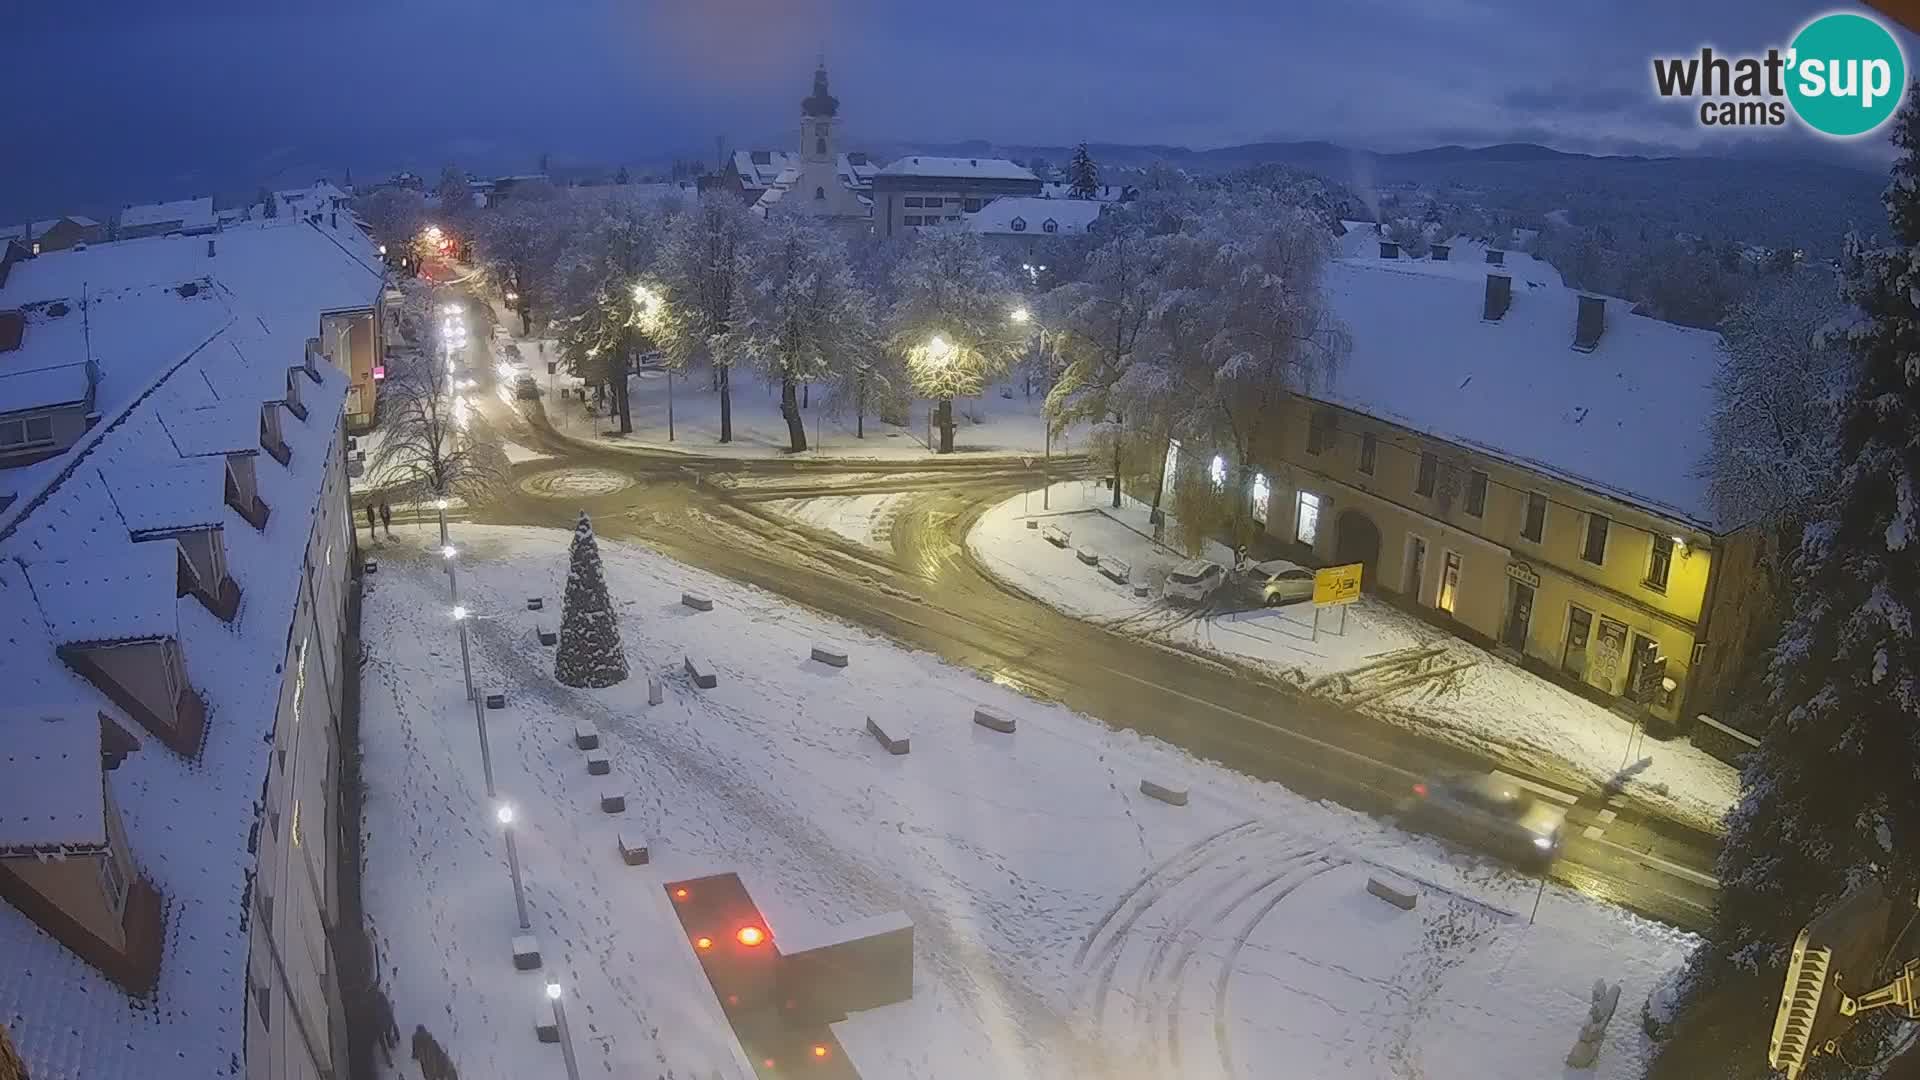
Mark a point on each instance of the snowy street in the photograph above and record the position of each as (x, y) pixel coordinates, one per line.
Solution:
(1065, 924)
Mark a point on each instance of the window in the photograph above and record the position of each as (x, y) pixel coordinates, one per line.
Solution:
(953, 217)
(25, 432)
(1429, 472)
(1595, 549)
(1319, 432)
(113, 881)
(1217, 473)
(1536, 524)
(912, 200)
(819, 146)
(1050, 225)
(1449, 582)
(911, 219)
(1660, 562)
(1018, 224)
(1477, 494)
(1306, 517)
(1262, 495)
(970, 205)
(1367, 449)
(819, 193)
(952, 200)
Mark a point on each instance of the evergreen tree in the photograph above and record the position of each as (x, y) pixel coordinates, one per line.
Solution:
(1083, 176)
(1829, 797)
(590, 653)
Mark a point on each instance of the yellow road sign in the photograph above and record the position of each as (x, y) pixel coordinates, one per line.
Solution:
(1336, 585)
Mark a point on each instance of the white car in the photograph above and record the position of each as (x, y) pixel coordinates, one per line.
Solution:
(1194, 580)
(1282, 582)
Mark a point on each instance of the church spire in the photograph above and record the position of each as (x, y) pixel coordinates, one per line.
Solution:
(820, 103)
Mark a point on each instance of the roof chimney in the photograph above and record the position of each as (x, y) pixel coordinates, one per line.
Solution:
(1440, 252)
(1496, 257)
(1499, 297)
(209, 247)
(1389, 249)
(1590, 323)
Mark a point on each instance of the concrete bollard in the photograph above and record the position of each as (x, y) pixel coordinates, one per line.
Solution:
(993, 722)
(1033, 523)
(701, 673)
(893, 745)
(633, 852)
(598, 763)
(546, 1026)
(585, 735)
(1169, 795)
(496, 701)
(696, 601)
(830, 656)
(548, 637)
(526, 952)
(1396, 891)
(612, 800)
(656, 691)
(1143, 590)
(535, 603)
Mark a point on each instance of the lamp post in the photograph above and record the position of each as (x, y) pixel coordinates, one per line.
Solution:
(566, 1037)
(504, 814)
(1021, 317)
(479, 706)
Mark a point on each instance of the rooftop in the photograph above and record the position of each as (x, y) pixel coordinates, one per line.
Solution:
(1033, 212)
(976, 168)
(64, 809)
(127, 595)
(1623, 419)
(187, 213)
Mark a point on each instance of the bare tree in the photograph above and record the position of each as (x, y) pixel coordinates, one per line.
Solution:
(701, 266)
(425, 450)
(953, 321)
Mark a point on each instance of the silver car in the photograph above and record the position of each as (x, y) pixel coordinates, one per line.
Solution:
(1490, 811)
(1282, 582)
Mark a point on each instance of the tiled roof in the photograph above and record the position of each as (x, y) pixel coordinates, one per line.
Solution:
(64, 805)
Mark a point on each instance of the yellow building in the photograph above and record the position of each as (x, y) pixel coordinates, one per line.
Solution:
(1524, 463)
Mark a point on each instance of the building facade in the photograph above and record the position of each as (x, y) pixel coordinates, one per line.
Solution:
(919, 191)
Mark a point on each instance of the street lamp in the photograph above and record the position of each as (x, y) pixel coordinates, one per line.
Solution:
(1021, 316)
(504, 814)
(566, 1037)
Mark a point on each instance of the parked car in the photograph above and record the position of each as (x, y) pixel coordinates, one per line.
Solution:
(524, 386)
(1282, 582)
(1490, 811)
(1194, 580)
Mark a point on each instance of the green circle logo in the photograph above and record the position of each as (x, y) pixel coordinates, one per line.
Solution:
(1845, 74)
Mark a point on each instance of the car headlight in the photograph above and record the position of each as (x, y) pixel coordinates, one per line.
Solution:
(1543, 842)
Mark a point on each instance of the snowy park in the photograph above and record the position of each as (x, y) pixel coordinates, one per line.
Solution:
(1065, 921)
(1485, 703)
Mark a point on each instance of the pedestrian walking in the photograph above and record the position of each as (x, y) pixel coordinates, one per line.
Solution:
(386, 517)
(371, 535)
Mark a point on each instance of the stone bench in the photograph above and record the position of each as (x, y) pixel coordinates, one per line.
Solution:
(701, 673)
(830, 656)
(1143, 590)
(1087, 555)
(496, 701)
(1057, 536)
(993, 721)
(548, 637)
(546, 1025)
(585, 735)
(696, 601)
(1118, 571)
(633, 852)
(535, 603)
(526, 952)
(1172, 796)
(893, 745)
(598, 763)
(1397, 891)
(613, 800)
(656, 690)
(1032, 523)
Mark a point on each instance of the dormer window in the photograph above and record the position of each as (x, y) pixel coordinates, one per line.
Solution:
(294, 405)
(1018, 224)
(819, 193)
(242, 491)
(270, 439)
(1050, 225)
(26, 433)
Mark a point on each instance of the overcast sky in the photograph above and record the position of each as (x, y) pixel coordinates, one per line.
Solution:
(146, 99)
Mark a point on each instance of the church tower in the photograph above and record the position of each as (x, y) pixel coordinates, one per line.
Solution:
(817, 118)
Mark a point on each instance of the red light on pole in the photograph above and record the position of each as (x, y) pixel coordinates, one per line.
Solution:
(750, 936)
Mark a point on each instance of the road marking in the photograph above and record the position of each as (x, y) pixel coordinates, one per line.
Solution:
(1592, 832)
(1561, 797)
(1658, 863)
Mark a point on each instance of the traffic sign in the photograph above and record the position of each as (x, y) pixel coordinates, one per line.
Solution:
(1336, 585)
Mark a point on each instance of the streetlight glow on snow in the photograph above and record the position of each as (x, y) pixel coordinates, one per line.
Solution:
(504, 814)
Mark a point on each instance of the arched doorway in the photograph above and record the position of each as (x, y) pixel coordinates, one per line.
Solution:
(1357, 540)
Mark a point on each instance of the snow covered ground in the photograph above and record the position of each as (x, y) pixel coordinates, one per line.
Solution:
(1490, 705)
(863, 519)
(1065, 925)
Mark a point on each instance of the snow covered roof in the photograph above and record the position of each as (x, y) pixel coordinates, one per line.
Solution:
(187, 821)
(224, 428)
(1012, 214)
(53, 798)
(1061, 189)
(1623, 420)
(183, 213)
(125, 596)
(127, 334)
(174, 495)
(760, 168)
(16, 232)
(321, 196)
(975, 168)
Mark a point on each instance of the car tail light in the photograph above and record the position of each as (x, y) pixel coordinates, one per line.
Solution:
(1420, 790)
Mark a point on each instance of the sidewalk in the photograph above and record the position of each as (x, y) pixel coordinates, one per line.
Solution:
(1376, 658)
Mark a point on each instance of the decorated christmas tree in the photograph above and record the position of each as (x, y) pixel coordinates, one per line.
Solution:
(590, 654)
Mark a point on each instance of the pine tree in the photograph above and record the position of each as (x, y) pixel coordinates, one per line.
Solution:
(1829, 798)
(1083, 176)
(590, 653)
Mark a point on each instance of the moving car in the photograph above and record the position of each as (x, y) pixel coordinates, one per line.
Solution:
(524, 386)
(1282, 582)
(1194, 580)
(1490, 811)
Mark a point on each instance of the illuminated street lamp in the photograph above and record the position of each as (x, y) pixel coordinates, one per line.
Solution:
(566, 1037)
(1021, 316)
(504, 814)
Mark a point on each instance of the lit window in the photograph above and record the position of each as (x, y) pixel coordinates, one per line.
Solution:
(1217, 472)
(1477, 494)
(1449, 582)
(1306, 517)
(1660, 562)
(1262, 491)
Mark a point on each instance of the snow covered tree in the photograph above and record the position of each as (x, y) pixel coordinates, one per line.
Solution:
(455, 198)
(702, 266)
(952, 319)
(590, 653)
(518, 244)
(1101, 329)
(607, 250)
(1083, 176)
(801, 308)
(426, 450)
(396, 215)
(1828, 798)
